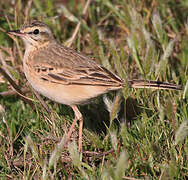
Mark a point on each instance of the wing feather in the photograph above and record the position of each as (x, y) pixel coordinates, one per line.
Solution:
(71, 67)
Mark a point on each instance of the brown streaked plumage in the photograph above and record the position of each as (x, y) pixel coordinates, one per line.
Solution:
(66, 76)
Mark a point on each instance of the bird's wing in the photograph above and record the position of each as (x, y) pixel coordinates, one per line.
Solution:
(66, 66)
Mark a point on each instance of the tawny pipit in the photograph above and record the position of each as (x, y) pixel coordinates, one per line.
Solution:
(66, 76)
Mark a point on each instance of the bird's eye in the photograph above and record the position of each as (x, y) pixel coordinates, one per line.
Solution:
(36, 31)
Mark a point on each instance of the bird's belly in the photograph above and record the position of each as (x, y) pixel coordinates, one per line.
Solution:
(65, 94)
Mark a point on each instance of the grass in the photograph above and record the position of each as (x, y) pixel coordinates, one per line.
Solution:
(133, 134)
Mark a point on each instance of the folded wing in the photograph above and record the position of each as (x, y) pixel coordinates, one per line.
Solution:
(70, 67)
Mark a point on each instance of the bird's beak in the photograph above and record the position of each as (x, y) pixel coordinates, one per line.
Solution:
(16, 33)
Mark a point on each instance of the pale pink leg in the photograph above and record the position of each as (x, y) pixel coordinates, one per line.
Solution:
(78, 116)
(80, 134)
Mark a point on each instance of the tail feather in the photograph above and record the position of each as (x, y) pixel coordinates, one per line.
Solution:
(136, 83)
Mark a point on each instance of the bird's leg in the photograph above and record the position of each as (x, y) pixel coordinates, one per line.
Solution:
(71, 130)
(80, 133)
(78, 116)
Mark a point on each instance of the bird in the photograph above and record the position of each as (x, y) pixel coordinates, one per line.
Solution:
(67, 76)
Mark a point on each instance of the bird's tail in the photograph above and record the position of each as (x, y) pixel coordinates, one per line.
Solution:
(136, 83)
